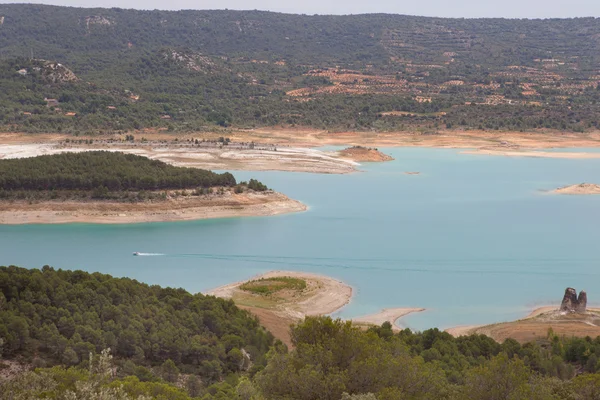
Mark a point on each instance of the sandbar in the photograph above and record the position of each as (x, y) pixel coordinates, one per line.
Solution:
(391, 315)
(579, 189)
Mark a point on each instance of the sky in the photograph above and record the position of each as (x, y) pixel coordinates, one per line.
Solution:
(438, 8)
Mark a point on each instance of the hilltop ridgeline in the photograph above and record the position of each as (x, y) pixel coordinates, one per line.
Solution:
(107, 70)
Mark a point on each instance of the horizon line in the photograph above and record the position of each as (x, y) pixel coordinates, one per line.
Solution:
(296, 13)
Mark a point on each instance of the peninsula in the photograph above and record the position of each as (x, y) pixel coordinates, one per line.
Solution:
(283, 298)
(110, 187)
(582, 188)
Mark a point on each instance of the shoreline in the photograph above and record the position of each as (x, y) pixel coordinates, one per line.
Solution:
(533, 154)
(296, 150)
(387, 314)
(488, 329)
(326, 295)
(578, 189)
(333, 296)
(180, 209)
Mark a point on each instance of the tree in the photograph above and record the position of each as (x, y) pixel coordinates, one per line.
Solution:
(70, 357)
(169, 371)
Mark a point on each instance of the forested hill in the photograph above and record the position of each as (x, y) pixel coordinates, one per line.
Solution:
(52, 317)
(79, 70)
(62, 32)
(169, 344)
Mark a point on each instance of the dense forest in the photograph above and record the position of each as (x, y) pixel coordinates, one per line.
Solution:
(91, 336)
(54, 317)
(78, 70)
(104, 175)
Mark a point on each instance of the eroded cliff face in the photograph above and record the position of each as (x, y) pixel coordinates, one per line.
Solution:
(572, 303)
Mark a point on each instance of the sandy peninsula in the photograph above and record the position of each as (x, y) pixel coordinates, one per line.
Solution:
(364, 154)
(580, 189)
(175, 209)
(536, 325)
(323, 295)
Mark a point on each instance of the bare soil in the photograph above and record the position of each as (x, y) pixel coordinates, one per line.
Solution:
(536, 326)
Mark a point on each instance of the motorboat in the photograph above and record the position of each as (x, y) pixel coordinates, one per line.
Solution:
(136, 253)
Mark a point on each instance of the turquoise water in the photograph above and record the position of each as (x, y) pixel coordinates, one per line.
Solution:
(473, 238)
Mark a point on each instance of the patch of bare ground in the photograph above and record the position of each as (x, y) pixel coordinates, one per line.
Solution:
(364, 154)
(582, 188)
(181, 208)
(536, 326)
(9, 369)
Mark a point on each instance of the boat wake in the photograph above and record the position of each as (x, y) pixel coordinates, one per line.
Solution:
(148, 254)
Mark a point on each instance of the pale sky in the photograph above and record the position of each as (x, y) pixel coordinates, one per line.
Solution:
(439, 8)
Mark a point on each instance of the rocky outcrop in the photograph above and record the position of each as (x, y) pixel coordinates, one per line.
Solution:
(573, 304)
(189, 60)
(582, 302)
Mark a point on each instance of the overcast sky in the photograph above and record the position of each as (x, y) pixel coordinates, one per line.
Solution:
(441, 8)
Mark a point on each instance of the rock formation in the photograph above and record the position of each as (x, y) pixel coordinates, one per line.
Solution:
(572, 303)
(581, 302)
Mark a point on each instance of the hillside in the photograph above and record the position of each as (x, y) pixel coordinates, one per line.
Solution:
(203, 70)
(54, 317)
(92, 336)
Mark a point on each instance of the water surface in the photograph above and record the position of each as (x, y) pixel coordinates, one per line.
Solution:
(472, 238)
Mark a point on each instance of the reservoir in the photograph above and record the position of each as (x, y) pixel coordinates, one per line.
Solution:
(474, 239)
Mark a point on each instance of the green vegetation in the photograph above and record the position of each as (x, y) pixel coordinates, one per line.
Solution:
(171, 345)
(104, 175)
(210, 70)
(269, 286)
(54, 317)
(333, 360)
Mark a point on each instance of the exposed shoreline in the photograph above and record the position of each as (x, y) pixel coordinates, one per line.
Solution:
(535, 324)
(533, 153)
(579, 189)
(179, 209)
(329, 298)
(294, 150)
(387, 314)
(325, 295)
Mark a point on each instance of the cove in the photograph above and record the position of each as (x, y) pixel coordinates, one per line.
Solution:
(472, 238)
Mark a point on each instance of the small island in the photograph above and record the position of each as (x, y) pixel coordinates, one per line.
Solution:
(582, 188)
(364, 154)
(113, 187)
